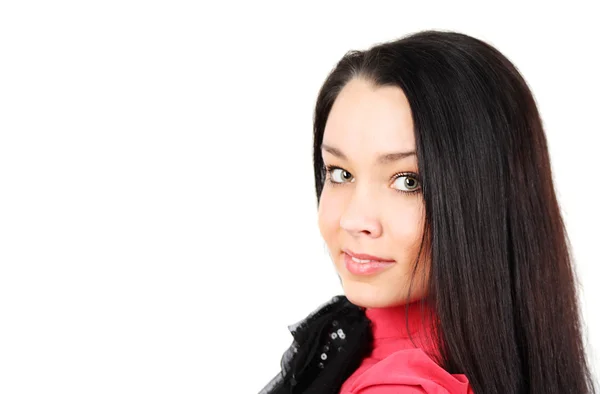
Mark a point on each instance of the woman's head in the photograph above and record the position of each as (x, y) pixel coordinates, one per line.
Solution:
(452, 100)
(372, 202)
(481, 235)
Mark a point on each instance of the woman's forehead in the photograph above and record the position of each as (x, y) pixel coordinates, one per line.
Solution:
(376, 118)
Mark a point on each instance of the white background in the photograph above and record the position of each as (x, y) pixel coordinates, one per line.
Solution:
(158, 228)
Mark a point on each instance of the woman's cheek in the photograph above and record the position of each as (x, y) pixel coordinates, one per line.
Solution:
(407, 227)
(329, 218)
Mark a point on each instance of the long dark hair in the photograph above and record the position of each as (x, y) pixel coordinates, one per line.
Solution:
(502, 281)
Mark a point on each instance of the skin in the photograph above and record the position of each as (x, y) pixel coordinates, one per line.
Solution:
(365, 212)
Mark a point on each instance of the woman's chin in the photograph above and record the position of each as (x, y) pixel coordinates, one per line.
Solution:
(364, 295)
(369, 295)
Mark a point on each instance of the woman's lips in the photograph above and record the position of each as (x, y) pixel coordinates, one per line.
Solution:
(368, 268)
(362, 256)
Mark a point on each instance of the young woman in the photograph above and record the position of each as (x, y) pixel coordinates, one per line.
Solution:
(436, 201)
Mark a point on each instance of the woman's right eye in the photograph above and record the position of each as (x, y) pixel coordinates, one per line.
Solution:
(338, 175)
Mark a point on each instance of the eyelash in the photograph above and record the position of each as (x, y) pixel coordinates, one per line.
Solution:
(330, 168)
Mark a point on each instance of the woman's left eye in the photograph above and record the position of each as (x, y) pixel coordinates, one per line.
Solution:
(407, 183)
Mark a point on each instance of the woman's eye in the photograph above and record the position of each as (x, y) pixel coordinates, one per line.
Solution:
(407, 183)
(339, 175)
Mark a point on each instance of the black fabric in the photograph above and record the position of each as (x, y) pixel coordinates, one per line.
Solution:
(328, 346)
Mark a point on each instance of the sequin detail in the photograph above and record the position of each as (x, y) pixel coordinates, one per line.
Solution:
(334, 343)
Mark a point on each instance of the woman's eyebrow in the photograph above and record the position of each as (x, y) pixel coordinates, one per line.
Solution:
(382, 159)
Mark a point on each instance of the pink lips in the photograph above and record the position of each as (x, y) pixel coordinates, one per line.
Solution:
(366, 256)
(369, 268)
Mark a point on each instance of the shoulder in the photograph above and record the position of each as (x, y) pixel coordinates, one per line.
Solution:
(409, 371)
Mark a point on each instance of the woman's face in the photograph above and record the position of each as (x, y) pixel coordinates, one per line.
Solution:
(364, 211)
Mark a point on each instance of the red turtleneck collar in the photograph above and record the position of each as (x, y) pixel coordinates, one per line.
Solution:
(402, 363)
(391, 322)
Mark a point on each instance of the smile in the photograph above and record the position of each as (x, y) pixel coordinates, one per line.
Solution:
(365, 267)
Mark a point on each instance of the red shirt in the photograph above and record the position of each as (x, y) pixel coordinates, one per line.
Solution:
(396, 365)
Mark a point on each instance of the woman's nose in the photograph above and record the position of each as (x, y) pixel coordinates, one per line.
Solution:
(361, 219)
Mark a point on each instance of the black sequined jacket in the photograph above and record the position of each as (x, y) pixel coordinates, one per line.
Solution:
(328, 346)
